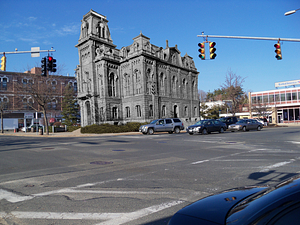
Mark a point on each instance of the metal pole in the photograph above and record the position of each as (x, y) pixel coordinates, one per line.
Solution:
(18, 52)
(253, 38)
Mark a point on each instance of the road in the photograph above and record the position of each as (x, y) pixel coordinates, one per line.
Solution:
(134, 179)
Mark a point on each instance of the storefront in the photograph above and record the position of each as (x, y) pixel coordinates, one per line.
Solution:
(283, 105)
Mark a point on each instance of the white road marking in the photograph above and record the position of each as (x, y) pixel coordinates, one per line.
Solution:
(110, 218)
(12, 197)
(126, 217)
(267, 168)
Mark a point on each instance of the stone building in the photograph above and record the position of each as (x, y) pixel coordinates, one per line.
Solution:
(139, 82)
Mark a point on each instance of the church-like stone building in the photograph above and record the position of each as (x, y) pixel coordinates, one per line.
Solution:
(136, 83)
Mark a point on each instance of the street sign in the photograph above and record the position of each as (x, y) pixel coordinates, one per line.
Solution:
(35, 51)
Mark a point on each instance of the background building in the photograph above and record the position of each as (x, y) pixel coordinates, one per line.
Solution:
(17, 112)
(280, 105)
(139, 82)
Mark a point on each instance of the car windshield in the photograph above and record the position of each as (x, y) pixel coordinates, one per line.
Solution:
(153, 121)
(201, 122)
(242, 121)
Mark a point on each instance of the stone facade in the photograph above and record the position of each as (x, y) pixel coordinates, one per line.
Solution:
(136, 83)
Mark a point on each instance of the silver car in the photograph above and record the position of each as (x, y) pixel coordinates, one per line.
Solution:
(169, 125)
(245, 125)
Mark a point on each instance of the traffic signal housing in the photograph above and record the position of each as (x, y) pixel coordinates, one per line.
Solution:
(278, 51)
(51, 66)
(212, 49)
(201, 50)
(44, 66)
(3, 63)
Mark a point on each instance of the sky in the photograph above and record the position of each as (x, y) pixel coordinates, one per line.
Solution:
(45, 24)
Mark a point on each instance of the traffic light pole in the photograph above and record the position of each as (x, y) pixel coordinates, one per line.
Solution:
(253, 38)
(35, 52)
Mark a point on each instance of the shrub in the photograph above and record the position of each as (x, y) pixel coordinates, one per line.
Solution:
(107, 128)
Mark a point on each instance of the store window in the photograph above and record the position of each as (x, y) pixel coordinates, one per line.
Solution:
(282, 97)
(265, 99)
(271, 98)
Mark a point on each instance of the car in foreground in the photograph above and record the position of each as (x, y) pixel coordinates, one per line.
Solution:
(206, 127)
(245, 125)
(169, 125)
(274, 205)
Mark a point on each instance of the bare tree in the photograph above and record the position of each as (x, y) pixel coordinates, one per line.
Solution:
(262, 109)
(40, 93)
(3, 107)
(233, 90)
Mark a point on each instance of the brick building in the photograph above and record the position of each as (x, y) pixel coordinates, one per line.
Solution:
(139, 82)
(17, 111)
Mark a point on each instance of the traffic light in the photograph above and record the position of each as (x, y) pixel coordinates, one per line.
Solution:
(49, 63)
(51, 66)
(3, 63)
(201, 50)
(212, 50)
(278, 51)
(44, 66)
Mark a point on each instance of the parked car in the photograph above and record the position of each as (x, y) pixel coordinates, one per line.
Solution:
(206, 127)
(273, 205)
(28, 129)
(229, 120)
(163, 125)
(245, 125)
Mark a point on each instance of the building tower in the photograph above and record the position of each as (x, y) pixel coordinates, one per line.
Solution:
(136, 83)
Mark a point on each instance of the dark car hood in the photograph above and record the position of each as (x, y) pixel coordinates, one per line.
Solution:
(213, 209)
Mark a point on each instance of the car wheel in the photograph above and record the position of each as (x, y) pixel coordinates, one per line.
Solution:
(150, 131)
(170, 132)
(244, 129)
(221, 130)
(232, 131)
(191, 133)
(177, 130)
(204, 131)
(259, 128)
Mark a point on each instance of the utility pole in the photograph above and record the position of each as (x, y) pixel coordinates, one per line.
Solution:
(253, 38)
(35, 51)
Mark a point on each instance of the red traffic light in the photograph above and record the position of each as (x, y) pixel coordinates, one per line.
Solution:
(201, 45)
(50, 58)
(277, 45)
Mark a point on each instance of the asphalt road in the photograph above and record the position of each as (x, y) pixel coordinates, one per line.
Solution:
(134, 179)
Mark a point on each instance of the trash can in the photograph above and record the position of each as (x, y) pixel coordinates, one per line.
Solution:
(40, 131)
(32, 129)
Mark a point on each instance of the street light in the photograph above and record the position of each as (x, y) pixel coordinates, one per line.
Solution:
(291, 12)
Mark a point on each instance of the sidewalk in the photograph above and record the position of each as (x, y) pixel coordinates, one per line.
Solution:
(76, 133)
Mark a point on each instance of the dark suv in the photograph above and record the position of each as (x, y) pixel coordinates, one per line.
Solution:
(228, 120)
(163, 125)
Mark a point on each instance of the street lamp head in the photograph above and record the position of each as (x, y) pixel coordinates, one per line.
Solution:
(290, 12)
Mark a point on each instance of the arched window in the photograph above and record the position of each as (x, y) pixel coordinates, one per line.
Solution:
(162, 84)
(163, 111)
(138, 111)
(88, 113)
(127, 110)
(151, 111)
(111, 85)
